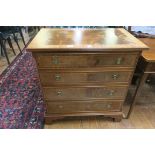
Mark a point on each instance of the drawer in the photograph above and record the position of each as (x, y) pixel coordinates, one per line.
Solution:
(84, 93)
(51, 78)
(77, 61)
(84, 106)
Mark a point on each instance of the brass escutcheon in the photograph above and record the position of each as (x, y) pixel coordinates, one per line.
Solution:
(55, 60)
(57, 77)
(119, 61)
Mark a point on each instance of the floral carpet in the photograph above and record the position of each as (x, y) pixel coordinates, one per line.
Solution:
(21, 102)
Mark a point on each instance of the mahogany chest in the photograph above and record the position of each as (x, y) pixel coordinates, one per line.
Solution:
(85, 71)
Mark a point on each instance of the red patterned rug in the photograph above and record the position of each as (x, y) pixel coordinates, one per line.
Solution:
(21, 103)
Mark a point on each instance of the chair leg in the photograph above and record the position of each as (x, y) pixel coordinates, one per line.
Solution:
(10, 44)
(5, 52)
(137, 92)
(2, 54)
(16, 40)
(20, 31)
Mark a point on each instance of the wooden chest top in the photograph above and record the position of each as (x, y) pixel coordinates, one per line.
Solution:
(107, 39)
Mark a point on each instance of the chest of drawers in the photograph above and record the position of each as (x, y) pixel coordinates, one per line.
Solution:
(85, 72)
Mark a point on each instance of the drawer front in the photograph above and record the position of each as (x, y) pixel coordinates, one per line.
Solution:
(84, 106)
(51, 78)
(77, 61)
(84, 93)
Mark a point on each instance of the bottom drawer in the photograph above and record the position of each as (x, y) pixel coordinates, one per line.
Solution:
(82, 106)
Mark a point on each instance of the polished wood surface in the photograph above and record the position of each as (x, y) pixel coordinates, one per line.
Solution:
(84, 93)
(85, 39)
(83, 106)
(88, 72)
(149, 55)
(86, 60)
(60, 77)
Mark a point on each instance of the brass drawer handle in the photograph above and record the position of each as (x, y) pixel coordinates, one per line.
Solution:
(119, 61)
(59, 93)
(111, 92)
(55, 60)
(115, 76)
(57, 77)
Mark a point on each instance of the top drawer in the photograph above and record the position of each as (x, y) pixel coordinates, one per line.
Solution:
(83, 60)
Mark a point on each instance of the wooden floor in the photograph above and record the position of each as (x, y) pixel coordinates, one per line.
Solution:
(143, 115)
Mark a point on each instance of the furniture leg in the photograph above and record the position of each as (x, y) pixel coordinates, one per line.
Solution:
(10, 44)
(2, 54)
(5, 52)
(20, 31)
(117, 119)
(137, 91)
(16, 40)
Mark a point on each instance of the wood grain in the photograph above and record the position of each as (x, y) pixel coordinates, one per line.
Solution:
(88, 56)
(84, 93)
(87, 60)
(83, 106)
(83, 39)
(49, 78)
